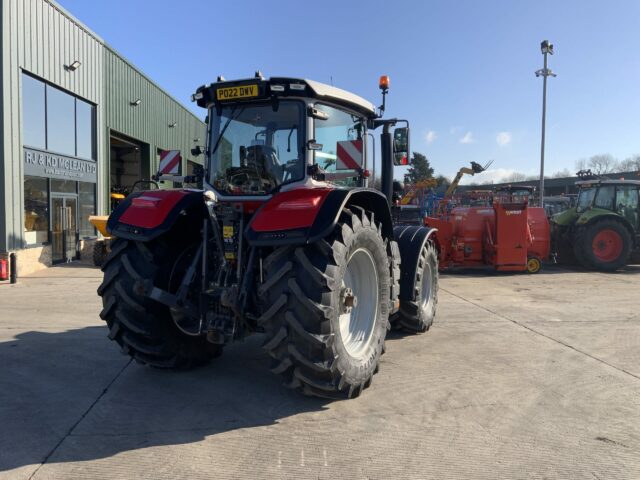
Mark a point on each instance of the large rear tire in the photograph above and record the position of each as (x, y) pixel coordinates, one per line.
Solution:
(604, 245)
(417, 315)
(143, 328)
(326, 308)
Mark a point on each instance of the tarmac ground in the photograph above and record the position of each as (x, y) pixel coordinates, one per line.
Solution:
(521, 376)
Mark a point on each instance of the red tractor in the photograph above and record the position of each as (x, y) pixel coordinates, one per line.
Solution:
(286, 238)
(504, 233)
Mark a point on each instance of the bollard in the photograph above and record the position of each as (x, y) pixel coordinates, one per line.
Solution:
(13, 268)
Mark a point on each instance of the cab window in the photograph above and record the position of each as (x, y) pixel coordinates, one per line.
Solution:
(585, 198)
(627, 203)
(341, 137)
(605, 197)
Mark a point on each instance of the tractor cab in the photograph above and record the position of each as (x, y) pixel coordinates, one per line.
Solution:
(606, 197)
(514, 193)
(273, 135)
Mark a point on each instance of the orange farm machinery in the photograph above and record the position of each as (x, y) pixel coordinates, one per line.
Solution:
(506, 233)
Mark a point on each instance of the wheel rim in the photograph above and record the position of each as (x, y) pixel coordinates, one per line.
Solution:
(533, 265)
(426, 287)
(359, 303)
(607, 245)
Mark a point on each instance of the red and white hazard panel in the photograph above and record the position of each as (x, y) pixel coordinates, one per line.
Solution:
(169, 162)
(349, 155)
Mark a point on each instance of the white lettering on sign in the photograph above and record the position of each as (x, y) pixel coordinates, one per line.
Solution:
(51, 165)
(513, 212)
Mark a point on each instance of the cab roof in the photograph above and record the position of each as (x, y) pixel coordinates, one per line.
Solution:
(206, 94)
(612, 181)
(322, 90)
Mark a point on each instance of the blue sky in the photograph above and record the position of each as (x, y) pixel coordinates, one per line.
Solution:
(462, 70)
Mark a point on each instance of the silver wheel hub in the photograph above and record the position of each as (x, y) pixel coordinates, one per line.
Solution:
(358, 303)
(426, 287)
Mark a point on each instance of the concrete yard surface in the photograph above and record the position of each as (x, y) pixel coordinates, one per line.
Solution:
(521, 376)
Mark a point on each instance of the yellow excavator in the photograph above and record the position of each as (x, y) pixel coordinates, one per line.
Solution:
(475, 168)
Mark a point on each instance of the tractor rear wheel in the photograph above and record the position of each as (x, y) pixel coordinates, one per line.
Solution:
(603, 245)
(326, 308)
(417, 315)
(145, 329)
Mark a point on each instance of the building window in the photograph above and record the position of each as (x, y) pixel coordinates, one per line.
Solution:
(85, 128)
(61, 127)
(36, 210)
(87, 200)
(33, 112)
(67, 125)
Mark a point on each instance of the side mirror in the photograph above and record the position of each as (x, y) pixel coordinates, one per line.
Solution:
(401, 146)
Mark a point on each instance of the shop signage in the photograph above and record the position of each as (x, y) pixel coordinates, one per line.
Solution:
(52, 165)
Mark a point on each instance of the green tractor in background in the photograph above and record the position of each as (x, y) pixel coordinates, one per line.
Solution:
(602, 231)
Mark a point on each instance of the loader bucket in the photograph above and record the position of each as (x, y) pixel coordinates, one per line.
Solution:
(100, 222)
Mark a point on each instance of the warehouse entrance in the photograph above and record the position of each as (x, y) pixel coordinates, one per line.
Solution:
(126, 165)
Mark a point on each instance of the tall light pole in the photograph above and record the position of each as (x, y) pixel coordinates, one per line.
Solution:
(546, 48)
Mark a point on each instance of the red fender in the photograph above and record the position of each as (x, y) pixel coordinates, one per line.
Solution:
(290, 210)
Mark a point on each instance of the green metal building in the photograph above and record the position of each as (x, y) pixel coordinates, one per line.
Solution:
(77, 122)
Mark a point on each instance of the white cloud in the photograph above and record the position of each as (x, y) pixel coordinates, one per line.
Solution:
(468, 138)
(498, 175)
(430, 136)
(495, 175)
(503, 138)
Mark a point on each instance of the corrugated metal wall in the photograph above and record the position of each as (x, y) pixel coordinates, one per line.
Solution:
(40, 37)
(148, 122)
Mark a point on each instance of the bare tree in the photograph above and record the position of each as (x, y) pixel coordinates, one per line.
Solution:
(515, 177)
(604, 163)
(581, 164)
(631, 164)
(561, 174)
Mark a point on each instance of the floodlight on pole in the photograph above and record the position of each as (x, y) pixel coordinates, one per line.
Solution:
(546, 48)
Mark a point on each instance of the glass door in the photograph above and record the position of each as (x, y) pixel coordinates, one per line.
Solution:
(64, 235)
(57, 229)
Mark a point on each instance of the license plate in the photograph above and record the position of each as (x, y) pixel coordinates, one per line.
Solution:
(234, 93)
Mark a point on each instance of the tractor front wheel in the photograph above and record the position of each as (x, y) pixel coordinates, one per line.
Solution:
(417, 315)
(326, 308)
(603, 245)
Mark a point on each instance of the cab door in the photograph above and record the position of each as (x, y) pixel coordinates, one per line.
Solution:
(627, 204)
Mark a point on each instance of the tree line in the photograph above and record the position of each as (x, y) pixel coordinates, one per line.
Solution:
(421, 169)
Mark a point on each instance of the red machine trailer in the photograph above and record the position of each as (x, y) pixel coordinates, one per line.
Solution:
(506, 234)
